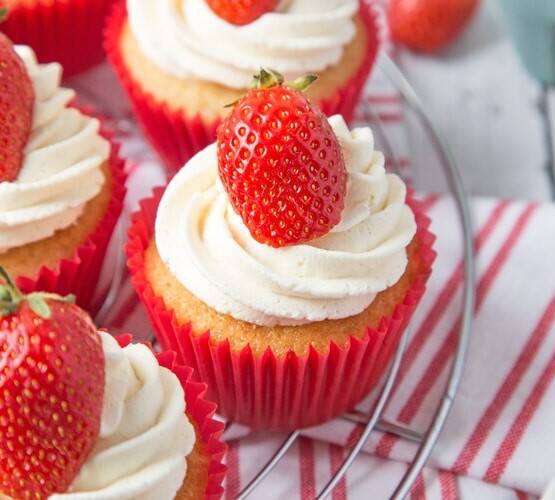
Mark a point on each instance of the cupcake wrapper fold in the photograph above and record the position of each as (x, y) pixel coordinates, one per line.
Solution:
(267, 392)
(79, 274)
(175, 137)
(201, 411)
(69, 32)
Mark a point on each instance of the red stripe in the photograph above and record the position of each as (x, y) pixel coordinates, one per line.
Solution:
(486, 423)
(384, 98)
(233, 476)
(402, 161)
(418, 490)
(445, 296)
(307, 468)
(426, 204)
(448, 485)
(390, 117)
(439, 362)
(512, 439)
(131, 166)
(521, 495)
(354, 436)
(336, 461)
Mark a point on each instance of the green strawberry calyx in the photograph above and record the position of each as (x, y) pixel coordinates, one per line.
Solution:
(268, 78)
(11, 298)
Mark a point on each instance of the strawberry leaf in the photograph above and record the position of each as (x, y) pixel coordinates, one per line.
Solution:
(39, 306)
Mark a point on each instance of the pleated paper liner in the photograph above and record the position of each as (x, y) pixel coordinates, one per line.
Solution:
(69, 32)
(79, 274)
(201, 412)
(176, 137)
(265, 391)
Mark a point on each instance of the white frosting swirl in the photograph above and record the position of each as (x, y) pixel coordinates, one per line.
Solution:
(144, 433)
(62, 162)
(207, 247)
(186, 39)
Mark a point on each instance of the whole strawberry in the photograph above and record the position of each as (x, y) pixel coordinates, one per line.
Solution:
(281, 163)
(240, 12)
(16, 108)
(428, 25)
(52, 387)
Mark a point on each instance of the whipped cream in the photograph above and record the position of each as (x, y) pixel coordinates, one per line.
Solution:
(207, 247)
(61, 169)
(186, 39)
(144, 432)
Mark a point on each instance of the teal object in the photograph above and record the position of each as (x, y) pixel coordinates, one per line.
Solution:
(532, 26)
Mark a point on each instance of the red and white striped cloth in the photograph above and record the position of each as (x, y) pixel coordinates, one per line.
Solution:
(499, 438)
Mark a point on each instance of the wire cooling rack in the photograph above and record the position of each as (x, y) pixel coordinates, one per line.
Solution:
(426, 439)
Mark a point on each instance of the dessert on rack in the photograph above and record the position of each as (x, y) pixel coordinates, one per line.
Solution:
(283, 261)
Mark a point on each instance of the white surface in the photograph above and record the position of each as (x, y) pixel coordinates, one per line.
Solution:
(488, 108)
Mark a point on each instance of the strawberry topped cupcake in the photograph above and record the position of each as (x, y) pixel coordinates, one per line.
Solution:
(283, 261)
(61, 181)
(84, 415)
(181, 62)
(64, 31)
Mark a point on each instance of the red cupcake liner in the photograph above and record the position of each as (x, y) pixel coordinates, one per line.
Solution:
(175, 137)
(79, 274)
(266, 392)
(201, 411)
(69, 32)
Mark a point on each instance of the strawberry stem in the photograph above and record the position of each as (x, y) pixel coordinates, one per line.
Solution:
(268, 78)
(11, 298)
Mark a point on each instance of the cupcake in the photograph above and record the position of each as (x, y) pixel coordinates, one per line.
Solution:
(60, 206)
(64, 31)
(283, 263)
(97, 417)
(181, 63)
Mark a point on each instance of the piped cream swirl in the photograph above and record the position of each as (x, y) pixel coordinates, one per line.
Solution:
(186, 39)
(61, 169)
(144, 434)
(210, 251)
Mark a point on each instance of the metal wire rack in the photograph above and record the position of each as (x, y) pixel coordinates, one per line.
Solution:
(426, 440)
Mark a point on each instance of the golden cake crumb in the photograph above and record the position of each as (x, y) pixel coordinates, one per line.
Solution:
(198, 462)
(319, 334)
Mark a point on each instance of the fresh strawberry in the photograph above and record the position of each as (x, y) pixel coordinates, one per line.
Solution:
(240, 12)
(281, 163)
(428, 25)
(52, 388)
(16, 109)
